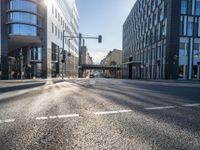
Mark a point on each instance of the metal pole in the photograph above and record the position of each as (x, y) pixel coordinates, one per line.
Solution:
(69, 60)
(21, 66)
(198, 72)
(79, 61)
(63, 46)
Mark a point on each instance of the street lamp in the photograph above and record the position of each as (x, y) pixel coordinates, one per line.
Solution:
(69, 55)
(21, 63)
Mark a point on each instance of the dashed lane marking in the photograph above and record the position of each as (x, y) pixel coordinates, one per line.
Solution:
(68, 116)
(7, 121)
(52, 117)
(159, 108)
(41, 118)
(191, 105)
(112, 112)
(58, 116)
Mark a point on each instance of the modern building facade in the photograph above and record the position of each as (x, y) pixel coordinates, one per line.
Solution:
(32, 38)
(161, 40)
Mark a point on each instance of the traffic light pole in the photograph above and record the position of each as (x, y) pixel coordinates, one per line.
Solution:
(79, 51)
(63, 46)
(80, 37)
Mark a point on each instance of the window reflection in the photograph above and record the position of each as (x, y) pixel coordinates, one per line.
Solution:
(183, 6)
(23, 17)
(21, 29)
(190, 28)
(197, 7)
(36, 53)
(23, 5)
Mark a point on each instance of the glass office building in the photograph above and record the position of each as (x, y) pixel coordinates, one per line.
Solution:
(32, 37)
(161, 40)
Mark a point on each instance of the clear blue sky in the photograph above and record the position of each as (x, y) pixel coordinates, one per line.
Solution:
(104, 17)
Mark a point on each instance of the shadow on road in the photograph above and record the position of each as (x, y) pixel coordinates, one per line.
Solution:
(20, 87)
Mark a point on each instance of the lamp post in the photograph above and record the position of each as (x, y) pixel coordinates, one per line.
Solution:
(21, 63)
(63, 53)
(69, 55)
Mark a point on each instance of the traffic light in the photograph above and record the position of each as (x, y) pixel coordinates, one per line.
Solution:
(64, 56)
(100, 39)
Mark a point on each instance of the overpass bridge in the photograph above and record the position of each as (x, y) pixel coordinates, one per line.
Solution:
(114, 69)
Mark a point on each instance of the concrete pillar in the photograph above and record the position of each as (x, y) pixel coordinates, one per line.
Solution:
(4, 41)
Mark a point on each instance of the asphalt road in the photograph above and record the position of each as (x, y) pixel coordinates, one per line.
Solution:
(93, 114)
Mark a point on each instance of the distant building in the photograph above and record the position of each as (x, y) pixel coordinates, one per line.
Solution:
(113, 58)
(85, 58)
(161, 40)
(31, 37)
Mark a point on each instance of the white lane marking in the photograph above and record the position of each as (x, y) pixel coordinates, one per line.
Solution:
(52, 117)
(41, 118)
(7, 121)
(111, 112)
(191, 105)
(105, 112)
(157, 108)
(58, 116)
(68, 116)
(124, 111)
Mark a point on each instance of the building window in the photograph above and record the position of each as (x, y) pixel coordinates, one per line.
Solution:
(196, 51)
(52, 9)
(23, 5)
(36, 53)
(52, 28)
(161, 14)
(56, 31)
(190, 28)
(54, 53)
(182, 50)
(21, 29)
(183, 6)
(55, 12)
(58, 16)
(23, 17)
(197, 9)
(181, 26)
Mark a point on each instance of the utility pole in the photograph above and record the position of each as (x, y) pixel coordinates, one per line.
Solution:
(198, 70)
(69, 55)
(21, 63)
(63, 54)
(79, 59)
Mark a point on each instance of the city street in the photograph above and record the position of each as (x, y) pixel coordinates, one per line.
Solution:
(93, 114)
